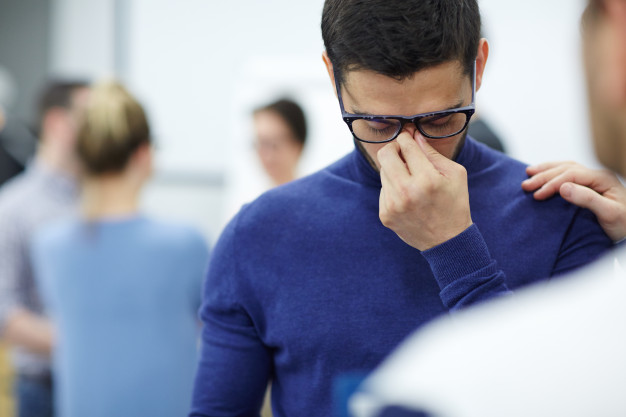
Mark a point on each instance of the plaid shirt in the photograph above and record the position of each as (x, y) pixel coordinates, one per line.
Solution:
(27, 202)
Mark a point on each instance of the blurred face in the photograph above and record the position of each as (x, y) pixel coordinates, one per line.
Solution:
(69, 128)
(276, 146)
(61, 124)
(67, 125)
(603, 45)
(442, 87)
(59, 131)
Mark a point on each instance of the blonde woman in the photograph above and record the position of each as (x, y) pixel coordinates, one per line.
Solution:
(122, 289)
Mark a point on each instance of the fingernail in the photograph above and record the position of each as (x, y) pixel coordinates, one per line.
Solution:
(566, 190)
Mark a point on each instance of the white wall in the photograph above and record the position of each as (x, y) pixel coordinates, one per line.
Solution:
(200, 66)
(533, 91)
(82, 42)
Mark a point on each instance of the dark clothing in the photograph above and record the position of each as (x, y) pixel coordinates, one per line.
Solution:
(34, 396)
(17, 147)
(306, 284)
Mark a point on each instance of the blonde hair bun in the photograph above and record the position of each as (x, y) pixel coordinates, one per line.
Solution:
(113, 127)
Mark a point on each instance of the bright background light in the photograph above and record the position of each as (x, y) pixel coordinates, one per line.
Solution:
(201, 66)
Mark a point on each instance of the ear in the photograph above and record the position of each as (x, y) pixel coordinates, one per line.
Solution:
(141, 158)
(329, 69)
(481, 61)
(143, 153)
(616, 17)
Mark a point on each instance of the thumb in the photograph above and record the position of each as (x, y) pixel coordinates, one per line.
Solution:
(584, 197)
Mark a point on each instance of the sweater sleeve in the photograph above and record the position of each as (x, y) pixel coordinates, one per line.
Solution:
(234, 365)
(583, 242)
(465, 271)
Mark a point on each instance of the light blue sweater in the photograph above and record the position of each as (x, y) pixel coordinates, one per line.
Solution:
(123, 295)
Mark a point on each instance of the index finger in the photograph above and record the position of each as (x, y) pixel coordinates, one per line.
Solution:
(544, 166)
(391, 162)
(413, 154)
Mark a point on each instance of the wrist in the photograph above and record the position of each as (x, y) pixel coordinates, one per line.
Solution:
(457, 257)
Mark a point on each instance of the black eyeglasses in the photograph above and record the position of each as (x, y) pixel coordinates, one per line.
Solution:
(435, 125)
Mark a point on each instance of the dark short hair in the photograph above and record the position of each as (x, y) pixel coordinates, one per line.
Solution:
(292, 114)
(398, 38)
(58, 93)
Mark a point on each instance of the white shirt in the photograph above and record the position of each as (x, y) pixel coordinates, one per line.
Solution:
(556, 349)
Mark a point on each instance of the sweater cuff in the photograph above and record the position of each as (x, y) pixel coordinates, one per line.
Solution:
(460, 256)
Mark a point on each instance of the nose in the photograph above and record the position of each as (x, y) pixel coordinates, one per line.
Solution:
(410, 128)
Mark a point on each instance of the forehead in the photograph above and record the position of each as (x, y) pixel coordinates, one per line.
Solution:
(430, 89)
(271, 123)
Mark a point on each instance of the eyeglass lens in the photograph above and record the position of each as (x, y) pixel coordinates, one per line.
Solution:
(380, 130)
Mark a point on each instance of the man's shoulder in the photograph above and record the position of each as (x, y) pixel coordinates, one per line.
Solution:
(300, 193)
(495, 187)
(495, 175)
(482, 161)
(297, 205)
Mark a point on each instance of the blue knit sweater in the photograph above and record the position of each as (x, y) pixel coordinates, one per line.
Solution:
(306, 284)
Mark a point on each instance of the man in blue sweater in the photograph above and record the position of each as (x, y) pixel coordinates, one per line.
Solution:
(327, 274)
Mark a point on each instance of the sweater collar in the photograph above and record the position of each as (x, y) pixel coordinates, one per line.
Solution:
(367, 175)
(363, 170)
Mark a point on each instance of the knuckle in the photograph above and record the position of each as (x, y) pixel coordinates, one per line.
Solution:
(386, 218)
(461, 171)
(429, 187)
(403, 202)
(392, 207)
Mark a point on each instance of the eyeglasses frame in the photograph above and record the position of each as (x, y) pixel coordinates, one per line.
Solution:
(349, 118)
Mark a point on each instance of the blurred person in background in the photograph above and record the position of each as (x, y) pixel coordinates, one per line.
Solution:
(568, 338)
(17, 143)
(480, 130)
(280, 135)
(46, 191)
(122, 289)
(327, 274)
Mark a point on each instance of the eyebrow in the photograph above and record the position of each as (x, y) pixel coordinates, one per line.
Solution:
(455, 106)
